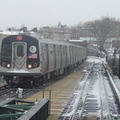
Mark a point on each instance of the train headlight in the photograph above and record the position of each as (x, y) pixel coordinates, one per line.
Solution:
(29, 66)
(8, 65)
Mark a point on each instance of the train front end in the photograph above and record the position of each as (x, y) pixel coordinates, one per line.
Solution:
(19, 59)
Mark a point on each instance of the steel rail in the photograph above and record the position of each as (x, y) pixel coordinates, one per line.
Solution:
(70, 114)
(84, 91)
(104, 99)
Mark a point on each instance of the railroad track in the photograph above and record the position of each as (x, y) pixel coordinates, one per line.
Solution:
(12, 93)
(94, 98)
(4, 91)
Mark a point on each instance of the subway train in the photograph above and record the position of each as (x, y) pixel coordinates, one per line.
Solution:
(30, 61)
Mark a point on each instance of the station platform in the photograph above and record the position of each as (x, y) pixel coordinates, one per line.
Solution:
(59, 93)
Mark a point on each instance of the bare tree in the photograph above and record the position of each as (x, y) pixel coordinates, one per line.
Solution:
(116, 44)
(103, 28)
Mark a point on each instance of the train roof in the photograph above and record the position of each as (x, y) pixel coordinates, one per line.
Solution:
(58, 42)
(44, 40)
(53, 41)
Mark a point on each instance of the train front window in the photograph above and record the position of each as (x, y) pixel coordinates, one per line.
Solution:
(20, 51)
(6, 50)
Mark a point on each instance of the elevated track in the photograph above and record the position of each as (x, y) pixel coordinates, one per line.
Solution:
(95, 98)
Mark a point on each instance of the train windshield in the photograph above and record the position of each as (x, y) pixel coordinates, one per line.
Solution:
(6, 50)
(20, 50)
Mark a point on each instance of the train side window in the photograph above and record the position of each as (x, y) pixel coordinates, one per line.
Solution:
(6, 50)
(20, 51)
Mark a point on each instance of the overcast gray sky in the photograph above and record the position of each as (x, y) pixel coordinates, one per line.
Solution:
(38, 13)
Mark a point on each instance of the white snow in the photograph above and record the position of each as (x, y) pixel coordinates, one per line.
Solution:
(94, 59)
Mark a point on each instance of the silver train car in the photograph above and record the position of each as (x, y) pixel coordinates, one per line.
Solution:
(26, 60)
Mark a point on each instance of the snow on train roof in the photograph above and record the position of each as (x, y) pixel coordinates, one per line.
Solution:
(9, 32)
(16, 33)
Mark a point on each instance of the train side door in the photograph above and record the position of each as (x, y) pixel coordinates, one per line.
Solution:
(19, 55)
(45, 57)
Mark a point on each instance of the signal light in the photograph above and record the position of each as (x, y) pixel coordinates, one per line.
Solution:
(19, 37)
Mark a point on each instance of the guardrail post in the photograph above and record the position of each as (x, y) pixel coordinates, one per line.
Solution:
(43, 93)
(50, 94)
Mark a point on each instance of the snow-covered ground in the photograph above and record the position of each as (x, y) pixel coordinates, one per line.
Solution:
(95, 59)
